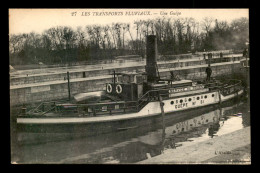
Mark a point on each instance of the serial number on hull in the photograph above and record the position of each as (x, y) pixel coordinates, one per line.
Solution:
(182, 105)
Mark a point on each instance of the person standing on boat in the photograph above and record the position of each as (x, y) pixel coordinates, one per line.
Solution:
(208, 72)
(245, 53)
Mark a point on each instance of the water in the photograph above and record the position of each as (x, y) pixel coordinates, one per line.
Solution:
(136, 145)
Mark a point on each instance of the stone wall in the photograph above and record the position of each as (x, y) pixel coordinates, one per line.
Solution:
(55, 90)
(85, 73)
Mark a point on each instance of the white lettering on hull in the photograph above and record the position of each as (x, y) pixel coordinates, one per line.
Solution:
(192, 102)
(183, 105)
(189, 102)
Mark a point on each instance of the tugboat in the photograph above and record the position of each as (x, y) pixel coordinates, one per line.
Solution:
(131, 100)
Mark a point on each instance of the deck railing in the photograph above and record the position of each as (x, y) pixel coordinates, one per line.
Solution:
(232, 88)
(110, 108)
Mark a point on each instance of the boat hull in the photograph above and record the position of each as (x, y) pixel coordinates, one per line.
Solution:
(45, 132)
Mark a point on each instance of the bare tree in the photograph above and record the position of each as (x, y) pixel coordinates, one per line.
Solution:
(206, 24)
(174, 36)
(112, 31)
(80, 37)
(15, 43)
(107, 36)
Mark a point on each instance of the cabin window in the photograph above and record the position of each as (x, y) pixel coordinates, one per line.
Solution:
(119, 79)
(198, 98)
(125, 79)
(139, 79)
(189, 99)
(144, 78)
(201, 97)
(131, 79)
(176, 101)
(172, 102)
(213, 95)
(205, 96)
(181, 101)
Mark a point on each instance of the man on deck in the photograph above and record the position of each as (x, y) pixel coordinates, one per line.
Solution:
(208, 72)
(245, 53)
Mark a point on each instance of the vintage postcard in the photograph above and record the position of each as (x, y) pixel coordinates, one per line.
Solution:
(129, 86)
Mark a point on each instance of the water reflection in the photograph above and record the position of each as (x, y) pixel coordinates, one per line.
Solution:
(138, 144)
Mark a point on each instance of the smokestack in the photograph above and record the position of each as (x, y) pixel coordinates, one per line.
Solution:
(151, 56)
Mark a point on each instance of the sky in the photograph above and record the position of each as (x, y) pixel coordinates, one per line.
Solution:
(38, 20)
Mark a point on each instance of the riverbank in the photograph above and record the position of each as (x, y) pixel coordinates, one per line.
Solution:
(231, 148)
(48, 87)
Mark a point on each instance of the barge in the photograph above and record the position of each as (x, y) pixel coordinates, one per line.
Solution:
(130, 101)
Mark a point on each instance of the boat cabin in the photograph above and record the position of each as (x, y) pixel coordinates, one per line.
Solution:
(132, 86)
(127, 86)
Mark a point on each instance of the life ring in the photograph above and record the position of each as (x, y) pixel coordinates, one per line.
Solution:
(119, 89)
(109, 88)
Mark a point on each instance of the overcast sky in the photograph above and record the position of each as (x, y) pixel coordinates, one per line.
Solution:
(38, 20)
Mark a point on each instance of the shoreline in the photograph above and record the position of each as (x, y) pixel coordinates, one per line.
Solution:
(231, 148)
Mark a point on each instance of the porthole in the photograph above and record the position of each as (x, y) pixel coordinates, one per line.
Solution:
(205, 96)
(172, 102)
(181, 101)
(189, 99)
(198, 98)
(213, 95)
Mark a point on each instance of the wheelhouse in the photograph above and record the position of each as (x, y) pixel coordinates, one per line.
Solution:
(127, 86)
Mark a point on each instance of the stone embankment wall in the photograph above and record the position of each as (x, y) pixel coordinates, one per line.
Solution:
(39, 87)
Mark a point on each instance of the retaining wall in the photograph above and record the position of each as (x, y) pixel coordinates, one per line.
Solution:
(85, 73)
(95, 81)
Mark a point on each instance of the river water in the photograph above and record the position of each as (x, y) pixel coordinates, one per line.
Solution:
(135, 145)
